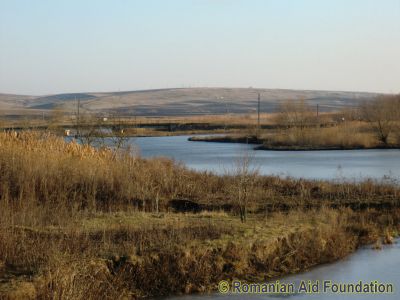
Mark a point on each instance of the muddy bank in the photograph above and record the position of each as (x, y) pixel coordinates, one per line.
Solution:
(263, 145)
(226, 139)
(316, 148)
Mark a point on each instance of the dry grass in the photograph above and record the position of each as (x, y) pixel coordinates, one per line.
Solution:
(372, 124)
(39, 168)
(116, 255)
(55, 120)
(346, 135)
(76, 222)
(342, 135)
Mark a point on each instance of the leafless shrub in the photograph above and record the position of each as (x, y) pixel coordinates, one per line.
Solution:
(244, 175)
(383, 114)
(297, 114)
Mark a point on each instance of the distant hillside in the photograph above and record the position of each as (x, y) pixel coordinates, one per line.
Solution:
(185, 101)
(51, 102)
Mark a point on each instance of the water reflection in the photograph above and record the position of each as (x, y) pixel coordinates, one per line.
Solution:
(218, 157)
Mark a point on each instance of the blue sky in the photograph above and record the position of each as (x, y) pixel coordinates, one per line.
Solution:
(54, 46)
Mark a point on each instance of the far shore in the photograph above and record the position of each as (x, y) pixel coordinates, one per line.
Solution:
(260, 144)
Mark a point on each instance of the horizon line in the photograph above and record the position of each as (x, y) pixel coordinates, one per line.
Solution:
(195, 87)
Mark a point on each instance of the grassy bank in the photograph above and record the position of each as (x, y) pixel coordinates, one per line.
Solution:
(76, 222)
(143, 126)
(131, 254)
(235, 138)
(371, 125)
(345, 136)
(40, 168)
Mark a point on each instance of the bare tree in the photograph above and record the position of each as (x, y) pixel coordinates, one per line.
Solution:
(297, 114)
(243, 181)
(56, 118)
(89, 130)
(383, 114)
(118, 139)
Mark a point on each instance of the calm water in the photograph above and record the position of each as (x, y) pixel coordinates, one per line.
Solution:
(220, 157)
(366, 265)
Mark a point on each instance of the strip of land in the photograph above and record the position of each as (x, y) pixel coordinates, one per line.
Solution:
(274, 142)
(375, 125)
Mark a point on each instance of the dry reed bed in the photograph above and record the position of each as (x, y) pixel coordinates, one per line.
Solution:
(348, 135)
(37, 168)
(70, 226)
(131, 254)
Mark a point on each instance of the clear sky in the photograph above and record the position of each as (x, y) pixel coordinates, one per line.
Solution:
(54, 46)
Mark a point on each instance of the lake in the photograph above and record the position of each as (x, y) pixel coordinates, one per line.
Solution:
(380, 164)
(366, 265)
(383, 164)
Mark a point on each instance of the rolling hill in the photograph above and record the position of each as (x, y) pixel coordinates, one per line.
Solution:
(179, 101)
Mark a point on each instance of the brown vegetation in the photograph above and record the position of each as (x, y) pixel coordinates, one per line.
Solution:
(131, 254)
(76, 222)
(383, 115)
(371, 125)
(40, 168)
(375, 124)
(345, 135)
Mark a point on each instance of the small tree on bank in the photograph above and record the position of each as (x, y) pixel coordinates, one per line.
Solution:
(244, 176)
(383, 114)
(296, 114)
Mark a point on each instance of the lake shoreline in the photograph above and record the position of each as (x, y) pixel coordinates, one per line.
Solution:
(153, 227)
(334, 271)
(263, 254)
(252, 140)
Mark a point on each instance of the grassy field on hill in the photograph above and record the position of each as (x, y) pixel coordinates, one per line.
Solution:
(176, 102)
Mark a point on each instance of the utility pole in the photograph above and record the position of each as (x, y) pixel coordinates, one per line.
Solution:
(226, 111)
(135, 123)
(78, 103)
(258, 114)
